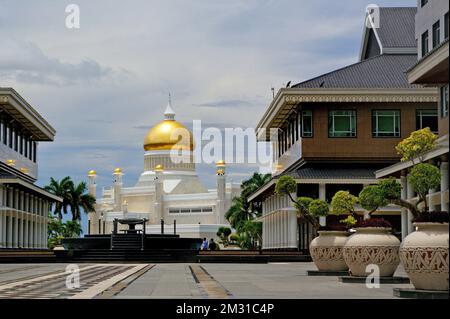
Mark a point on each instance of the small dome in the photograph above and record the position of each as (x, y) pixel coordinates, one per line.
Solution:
(92, 173)
(118, 170)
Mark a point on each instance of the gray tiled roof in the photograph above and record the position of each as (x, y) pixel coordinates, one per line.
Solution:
(397, 27)
(383, 71)
(334, 173)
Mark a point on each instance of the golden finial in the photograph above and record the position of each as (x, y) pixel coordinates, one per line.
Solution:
(221, 163)
(11, 162)
(92, 173)
(118, 171)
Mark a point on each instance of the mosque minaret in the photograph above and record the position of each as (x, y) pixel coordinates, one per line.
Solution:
(167, 190)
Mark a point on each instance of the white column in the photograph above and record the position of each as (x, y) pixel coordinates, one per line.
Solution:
(431, 206)
(444, 185)
(36, 223)
(322, 196)
(410, 194)
(275, 233)
(271, 232)
(16, 230)
(9, 238)
(282, 242)
(293, 230)
(32, 222)
(404, 213)
(286, 229)
(16, 219)
(26, 243)
(2, 231)
(2, 219)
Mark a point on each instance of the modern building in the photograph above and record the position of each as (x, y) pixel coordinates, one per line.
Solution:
(335, 130)
(24, 206)
(431, 70)
(168, 190)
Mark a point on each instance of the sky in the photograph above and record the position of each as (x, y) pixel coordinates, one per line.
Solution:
(103, 86)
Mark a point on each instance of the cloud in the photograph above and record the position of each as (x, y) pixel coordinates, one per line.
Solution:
(26, 62)
(104, 85)
(225, 103)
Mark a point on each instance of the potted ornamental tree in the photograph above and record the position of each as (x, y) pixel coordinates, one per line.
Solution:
(326, 249)
(372, 243)
(424, 253)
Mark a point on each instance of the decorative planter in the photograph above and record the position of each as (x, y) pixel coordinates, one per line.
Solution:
(326, 250)
(372, 246)
(424, 255)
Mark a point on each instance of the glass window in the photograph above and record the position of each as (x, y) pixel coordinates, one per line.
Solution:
(386, 123)
(423, 2)
(444, 101)
(427, 118)
(307, 124)
(425, 43)
(342, 123)
(436, 34)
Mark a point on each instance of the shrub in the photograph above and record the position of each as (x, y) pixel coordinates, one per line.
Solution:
(371, 198)
(417, 144)
(286, 185)
(423, 177)
(343, 203)
(373, 222)
(318, 208)
(234, 238)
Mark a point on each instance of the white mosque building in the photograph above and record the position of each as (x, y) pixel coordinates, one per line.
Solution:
(167, 190)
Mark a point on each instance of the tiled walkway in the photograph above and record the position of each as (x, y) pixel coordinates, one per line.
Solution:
(185, 281)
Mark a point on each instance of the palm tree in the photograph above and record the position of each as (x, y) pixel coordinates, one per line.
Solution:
(252, 185)
(80, 200)
(60, 189)
(237, 213)
(241, 212)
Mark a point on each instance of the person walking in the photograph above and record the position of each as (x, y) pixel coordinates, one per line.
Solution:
(205, 244)
(212, 245)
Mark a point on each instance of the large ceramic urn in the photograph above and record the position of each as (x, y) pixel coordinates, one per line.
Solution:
(424, 255)
(326, 250)
(371, 246)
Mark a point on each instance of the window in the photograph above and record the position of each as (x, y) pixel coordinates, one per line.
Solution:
(425, 43)
(386, 123)
(307, 124)
(190, 210)
(436, 34)
(444, 101)
(423, 2)
(446, 21)
(427, 118)
(342, 123)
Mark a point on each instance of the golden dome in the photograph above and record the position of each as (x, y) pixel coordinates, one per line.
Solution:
(169, 135)
(92, 173)
(118, 170)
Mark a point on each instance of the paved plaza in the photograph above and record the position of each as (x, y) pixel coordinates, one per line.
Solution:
(183, 281)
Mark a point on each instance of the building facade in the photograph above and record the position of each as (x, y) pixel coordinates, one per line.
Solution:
(24, 207)
(168, 190)
(430, 70)
(335, 131)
